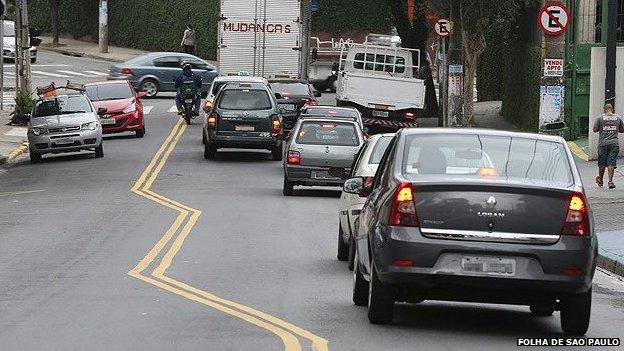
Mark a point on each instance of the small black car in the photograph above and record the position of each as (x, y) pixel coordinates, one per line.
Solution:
(245, 116)
(293, 95)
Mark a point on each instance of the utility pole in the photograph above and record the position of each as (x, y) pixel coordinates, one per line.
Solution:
(2, 66)
(25, 46)
(455, 109)
(306, 27)
(103, 34)
(612, 22)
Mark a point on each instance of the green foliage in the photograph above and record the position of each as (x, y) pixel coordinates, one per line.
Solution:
(520, 88)
(336, 17)
(23, 106)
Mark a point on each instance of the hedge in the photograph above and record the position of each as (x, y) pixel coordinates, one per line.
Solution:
(157, 25)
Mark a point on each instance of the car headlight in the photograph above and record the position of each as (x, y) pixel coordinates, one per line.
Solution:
(89, 126)
(39, 131)
(131, 108)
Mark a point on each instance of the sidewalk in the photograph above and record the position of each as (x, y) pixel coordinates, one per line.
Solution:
(607, 204)
(79, 48)
(12, 139)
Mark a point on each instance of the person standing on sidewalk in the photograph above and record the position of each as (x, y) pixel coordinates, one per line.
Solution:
(608, 126)
(188, 40)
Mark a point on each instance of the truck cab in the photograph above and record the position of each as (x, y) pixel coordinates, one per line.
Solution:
(381, 82)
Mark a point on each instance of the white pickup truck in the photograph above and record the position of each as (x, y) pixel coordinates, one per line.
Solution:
(380, 82)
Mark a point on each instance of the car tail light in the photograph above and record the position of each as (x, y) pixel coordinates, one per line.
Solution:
(126, 72)
(211, 121)
(294, 158)
(409, 116)
(403, 210)
(312, 102)
(577, 219)
(276, 124)
(403, 262)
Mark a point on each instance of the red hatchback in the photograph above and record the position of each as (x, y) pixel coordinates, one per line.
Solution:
(124, 111)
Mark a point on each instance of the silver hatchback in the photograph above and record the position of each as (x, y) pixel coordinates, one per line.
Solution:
(316, 146)
(64, 123)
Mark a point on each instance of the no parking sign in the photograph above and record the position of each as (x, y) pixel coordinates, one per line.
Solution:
(553, 18)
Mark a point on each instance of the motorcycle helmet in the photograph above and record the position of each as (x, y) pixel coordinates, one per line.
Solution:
(186, 67)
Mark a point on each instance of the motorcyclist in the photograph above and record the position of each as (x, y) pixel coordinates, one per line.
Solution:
(188, 76)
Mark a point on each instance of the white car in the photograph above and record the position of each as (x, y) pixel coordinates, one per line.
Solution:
(8, 46)
(218, 82)
(365, 165)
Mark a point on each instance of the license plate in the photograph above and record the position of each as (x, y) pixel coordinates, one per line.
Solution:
(66, 141)
(243, 128)
(380, 113)
(323, 175)
(189, 101)
(288, 107)
(381, 107)
(107, 121)
(489, 265)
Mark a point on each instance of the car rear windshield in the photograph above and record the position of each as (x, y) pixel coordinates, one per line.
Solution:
(245, 99)
(328, 133)
(491, 157)
(337, 112)
(379, 150)
(104, 92)
(290, 88)
(62, 105)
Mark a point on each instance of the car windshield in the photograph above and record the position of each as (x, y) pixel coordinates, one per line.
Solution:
(9, 29)
(490, 157)
(338, 112)
(379, 150)
(245, 99)
(328, 133)
(290, 88)
(104, 92)
(62, 105)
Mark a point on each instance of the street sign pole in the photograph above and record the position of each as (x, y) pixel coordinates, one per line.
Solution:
(612, 23)
(2, 67)
(103, 30)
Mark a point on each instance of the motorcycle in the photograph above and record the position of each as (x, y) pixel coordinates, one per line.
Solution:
(188, 94)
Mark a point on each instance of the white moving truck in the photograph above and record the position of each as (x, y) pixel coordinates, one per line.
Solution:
(260, 37)
(380, 81)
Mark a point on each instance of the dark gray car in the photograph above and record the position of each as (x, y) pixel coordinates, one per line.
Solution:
(476, 216)
(317, 147)
(156, 72)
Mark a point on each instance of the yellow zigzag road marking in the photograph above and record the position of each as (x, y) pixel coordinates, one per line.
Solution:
(284, 330)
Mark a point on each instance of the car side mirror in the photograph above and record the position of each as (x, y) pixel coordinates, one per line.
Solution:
(278, 96)
(141, 94)
(361, 186)
(102, 110)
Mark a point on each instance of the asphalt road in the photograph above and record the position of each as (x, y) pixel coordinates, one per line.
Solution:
(152, 247)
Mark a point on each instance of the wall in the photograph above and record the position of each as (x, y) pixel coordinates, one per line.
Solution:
(597, 93)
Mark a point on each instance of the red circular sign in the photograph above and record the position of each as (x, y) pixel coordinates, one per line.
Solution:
(554, 18)
(443, 27)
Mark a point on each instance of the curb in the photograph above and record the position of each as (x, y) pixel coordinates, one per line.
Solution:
(610, 265)
(17, 152)
(80, 54)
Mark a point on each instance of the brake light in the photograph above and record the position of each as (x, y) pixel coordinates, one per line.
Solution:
(126, 72)
(403, 210)
(409, 116)
(487, 172)
(577, 219)
(211, 121)
(294, 158)
(312, 102)
(403, 262)
(276, 125)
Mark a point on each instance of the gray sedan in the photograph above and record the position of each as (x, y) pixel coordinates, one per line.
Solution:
(64, 123)
(476, 216)
(319, 150)
(156, 72)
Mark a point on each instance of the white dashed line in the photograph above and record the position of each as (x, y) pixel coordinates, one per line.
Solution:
(147, 109)
(51, 74)
(73, 73)
(97, 73)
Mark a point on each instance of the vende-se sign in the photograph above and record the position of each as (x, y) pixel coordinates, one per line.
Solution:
(553, 68)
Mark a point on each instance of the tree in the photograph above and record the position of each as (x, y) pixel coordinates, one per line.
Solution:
(415, 37)
(55, 11)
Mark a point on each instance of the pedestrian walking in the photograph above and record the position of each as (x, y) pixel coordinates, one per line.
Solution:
(608, 126)
(188, 40)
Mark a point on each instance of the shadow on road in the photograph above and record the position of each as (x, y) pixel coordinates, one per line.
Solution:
(235, 156)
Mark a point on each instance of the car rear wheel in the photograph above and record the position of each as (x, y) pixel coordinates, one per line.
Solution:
(360, 286)
(140, 133)
(99, 151)
(150, 87)
(35, 157)
(210, 152)
(343, 249)
(380, 300)
(542, 310)
(288, 188)
(276, 153)
(575, 313)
